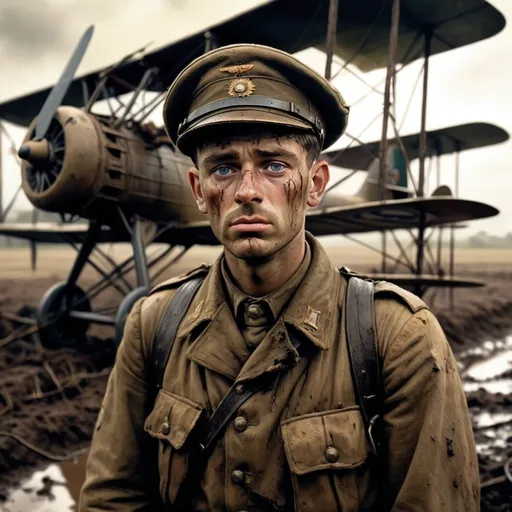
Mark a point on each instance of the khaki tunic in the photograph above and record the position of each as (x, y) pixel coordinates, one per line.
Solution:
(276, 456)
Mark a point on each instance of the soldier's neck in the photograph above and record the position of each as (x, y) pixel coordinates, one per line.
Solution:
(259, 278)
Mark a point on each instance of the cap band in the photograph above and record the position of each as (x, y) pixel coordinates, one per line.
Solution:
(254, 101)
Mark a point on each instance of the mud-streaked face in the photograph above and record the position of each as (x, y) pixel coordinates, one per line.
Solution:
(256, 191)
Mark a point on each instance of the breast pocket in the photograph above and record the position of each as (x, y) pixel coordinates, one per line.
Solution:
(170, 422)
(324, 451)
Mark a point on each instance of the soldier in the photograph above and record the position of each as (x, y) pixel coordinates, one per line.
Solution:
(264, 338)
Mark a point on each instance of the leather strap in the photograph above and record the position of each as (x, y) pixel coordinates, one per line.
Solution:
(362, 349)
(254, 101)
(168, 328)
(235, 397)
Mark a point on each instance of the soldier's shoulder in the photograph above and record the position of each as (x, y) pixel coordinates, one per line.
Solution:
(386, 290)
(160, 295)
(177, 281)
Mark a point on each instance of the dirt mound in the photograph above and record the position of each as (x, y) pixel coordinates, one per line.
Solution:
(49, 400)
(478, 314)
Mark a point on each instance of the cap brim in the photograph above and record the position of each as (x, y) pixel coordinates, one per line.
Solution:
(234, 117)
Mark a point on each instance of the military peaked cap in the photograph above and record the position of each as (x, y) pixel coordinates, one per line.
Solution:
(249, 83)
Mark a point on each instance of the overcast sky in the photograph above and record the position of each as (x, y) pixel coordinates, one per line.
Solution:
(473, 83)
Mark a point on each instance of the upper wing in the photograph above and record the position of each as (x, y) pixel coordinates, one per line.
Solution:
(293, 25)
(439, 142)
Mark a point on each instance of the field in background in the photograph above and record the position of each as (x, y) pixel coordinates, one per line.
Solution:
(57, 261)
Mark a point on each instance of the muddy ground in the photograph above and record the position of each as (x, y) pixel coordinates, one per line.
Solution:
(49, 399)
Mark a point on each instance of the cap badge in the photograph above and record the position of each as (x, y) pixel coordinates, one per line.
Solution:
(238, 69)
(241, 87)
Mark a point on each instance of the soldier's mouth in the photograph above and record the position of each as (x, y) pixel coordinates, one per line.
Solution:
(250, 224)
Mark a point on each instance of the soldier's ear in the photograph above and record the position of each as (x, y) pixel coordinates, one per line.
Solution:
(318, 177)
(197, 191)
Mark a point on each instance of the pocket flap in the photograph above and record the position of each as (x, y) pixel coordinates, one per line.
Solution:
(172, 418)
(327, 440)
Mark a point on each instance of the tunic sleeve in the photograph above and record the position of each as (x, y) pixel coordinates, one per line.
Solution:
(118, 477)
(431, 463)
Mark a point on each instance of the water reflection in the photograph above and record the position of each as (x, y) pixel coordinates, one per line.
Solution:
(496, 386)
(491, 367)
(54, 489)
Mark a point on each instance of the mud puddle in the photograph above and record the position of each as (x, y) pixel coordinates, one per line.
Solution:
(487, 376)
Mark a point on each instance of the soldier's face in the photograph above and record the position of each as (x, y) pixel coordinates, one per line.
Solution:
(256, 191)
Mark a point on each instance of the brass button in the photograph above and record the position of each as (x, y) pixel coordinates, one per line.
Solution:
(237, 476)
(240, 423)
(240, 389)
(254, 311)
(166, 428)
(332, 454)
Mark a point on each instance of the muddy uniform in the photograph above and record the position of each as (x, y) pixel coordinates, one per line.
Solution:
(301, 445)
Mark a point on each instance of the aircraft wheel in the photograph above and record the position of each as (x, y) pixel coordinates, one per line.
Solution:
(124, 310)
(56, 328)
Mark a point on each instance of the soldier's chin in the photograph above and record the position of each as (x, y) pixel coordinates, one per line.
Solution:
(251, 248)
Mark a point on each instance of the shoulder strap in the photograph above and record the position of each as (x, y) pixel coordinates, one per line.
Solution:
(362, 349)
(166, 334)
(236, 396)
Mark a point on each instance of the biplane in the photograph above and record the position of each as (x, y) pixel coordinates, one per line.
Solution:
(126, 178)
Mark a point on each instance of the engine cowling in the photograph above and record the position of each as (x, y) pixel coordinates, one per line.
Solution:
(89, 168)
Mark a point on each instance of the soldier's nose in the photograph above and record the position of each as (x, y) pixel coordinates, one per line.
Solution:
(248, 190)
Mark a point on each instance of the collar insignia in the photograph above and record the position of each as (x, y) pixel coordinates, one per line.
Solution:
(312, 317)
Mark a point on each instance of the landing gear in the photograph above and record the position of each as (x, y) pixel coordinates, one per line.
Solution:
(65, 313)
(57, 327)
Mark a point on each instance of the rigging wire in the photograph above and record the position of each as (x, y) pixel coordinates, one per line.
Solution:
(295, 45)
(161, 96)
(13, 149)
(409, 102)
(405, 61)
(362, 144)
(363, 42)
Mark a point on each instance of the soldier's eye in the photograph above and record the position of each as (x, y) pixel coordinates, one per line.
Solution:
(275, 167)
(222, 171)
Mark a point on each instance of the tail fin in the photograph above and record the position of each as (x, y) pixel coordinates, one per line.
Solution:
(443, 190)
(396, 178)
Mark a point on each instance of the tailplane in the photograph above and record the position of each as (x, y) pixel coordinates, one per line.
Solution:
(396, 178)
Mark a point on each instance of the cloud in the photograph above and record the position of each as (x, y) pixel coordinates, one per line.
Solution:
(26, 29)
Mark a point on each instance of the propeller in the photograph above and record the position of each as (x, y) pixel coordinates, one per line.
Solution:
(57, 94)
(38, 150)
(45, 154)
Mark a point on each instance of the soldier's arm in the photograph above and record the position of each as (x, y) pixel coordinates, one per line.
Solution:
(119, 463)
(431, 463)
